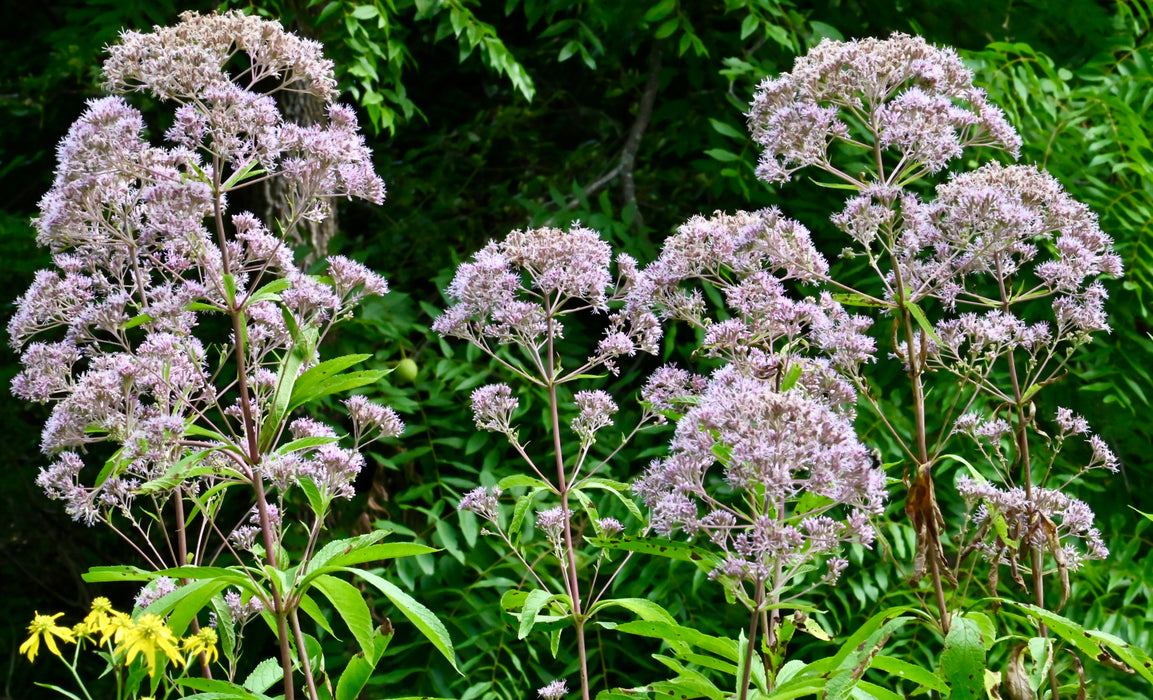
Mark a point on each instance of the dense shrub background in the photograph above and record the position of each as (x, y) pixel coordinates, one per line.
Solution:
(651, 93)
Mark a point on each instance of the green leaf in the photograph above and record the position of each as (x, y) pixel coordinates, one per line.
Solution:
(727, 129)
(856, 655)
(963, 660)
(203, 572)
(215, 689)
(1103, 647)
(643, 608)
(136, 321)
(985, 624)
(659, 11)
(876, 692)
(229, 281)
(922, 321)
(666, 30)
(536, 600)
(519, 511)
(185, 603)
(853, 299)
(310, 608)
(688, 681)
(286, 379)
(250, 168)
(184, 469)
(105, 574)
(335, 548)
(324, 379)
(722, 155)
(721, 646)
(194, 430)
(910, 672)
(360, 668)
(791, 377)
(364, 12)
(826, 31)
(511, 482)
(350, 605)
(269, 292)
(659, 547)
(315, 376)
(264, 676)
(618, 489)
(317, 501)
(424, 619)
(304, 443)
(58, 689)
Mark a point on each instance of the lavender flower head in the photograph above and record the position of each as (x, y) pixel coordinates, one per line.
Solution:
(748, 257)
(493, 406)
(553, 691)
(596, 411)
(482, 502)
(516, 290)
(921, 98)
(773, 448)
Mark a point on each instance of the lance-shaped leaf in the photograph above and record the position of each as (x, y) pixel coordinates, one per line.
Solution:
(349, 604)
(1102, 647)
(424, 619)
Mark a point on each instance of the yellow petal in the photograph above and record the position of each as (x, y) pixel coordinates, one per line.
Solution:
(31, 646)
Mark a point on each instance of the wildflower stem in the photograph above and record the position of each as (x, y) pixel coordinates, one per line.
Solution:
(1021, 437)
(304, 663)
(750, 644)
(572, 582)
(72, 670)
(930, 516)
(182, 552)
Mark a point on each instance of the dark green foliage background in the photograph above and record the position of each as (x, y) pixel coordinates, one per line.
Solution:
(467, 157)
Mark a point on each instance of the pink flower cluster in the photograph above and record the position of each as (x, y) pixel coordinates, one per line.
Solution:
(920, 99)
(145, 249)
(517, 290)
(772, 448)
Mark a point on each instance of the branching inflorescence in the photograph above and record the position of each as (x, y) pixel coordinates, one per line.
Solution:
(989, 283)
(183, 333)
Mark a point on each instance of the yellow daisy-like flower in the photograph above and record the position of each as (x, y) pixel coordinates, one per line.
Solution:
(45, 626)
(80, 632)
(149, 635)
(116, 627)
(204, 642)
(100, 617)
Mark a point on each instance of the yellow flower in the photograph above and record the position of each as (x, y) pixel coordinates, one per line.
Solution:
(45, 626)
(80, 632)
(100, 617)
(117, 626)
(148, 635)
(204, 642)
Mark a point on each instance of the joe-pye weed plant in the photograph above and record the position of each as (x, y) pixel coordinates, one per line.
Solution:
(982, 287)
(182, 334)
(513, 301)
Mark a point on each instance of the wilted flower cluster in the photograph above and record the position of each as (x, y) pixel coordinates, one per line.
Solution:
(1009, 523)
(772, 449)
(144, 248)
(921, 99)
